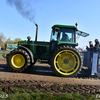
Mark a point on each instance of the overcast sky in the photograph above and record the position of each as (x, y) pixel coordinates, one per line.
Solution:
(15, 23)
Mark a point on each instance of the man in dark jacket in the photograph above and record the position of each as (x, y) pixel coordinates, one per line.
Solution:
(96, 46)
(93, 48)
(90, 46)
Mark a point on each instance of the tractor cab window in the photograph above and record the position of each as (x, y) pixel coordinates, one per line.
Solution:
(54, 35)
(67, 35)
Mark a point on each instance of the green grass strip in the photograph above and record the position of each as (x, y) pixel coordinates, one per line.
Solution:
(24, 94)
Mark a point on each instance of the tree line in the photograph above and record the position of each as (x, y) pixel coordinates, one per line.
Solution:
(4, 40)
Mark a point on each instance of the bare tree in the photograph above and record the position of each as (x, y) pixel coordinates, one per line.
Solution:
(9, 41)
(2, 39)
(16, 40)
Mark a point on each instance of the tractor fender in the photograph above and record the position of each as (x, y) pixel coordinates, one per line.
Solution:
(29, 52)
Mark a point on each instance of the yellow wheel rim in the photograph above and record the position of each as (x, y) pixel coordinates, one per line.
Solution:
(66, 62)
(18, 61)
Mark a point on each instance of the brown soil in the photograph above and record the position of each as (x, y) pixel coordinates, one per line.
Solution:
(40, 77)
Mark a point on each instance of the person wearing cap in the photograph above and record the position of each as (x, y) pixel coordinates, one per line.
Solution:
(96, 46)
(90, 46)
(93, 48)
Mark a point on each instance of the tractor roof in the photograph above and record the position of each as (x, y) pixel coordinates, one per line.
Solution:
(80, 33)
(64, 26)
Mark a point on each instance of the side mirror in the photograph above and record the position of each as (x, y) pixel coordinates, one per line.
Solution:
(56, 29)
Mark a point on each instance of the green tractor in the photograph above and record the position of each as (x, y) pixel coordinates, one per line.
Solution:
(60, 52)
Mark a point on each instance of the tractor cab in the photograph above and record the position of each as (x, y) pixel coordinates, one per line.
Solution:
(65, 34)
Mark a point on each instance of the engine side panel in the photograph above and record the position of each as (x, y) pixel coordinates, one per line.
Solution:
(41, 50)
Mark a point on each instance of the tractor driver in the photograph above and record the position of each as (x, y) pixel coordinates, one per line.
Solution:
(64, 37)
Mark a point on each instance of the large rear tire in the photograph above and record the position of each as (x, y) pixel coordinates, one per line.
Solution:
(66, 61)
(18, 60)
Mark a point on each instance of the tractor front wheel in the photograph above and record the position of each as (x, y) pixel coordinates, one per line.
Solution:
(66, 61)
(18, 60)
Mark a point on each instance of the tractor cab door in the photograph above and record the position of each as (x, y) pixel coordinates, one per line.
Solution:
(80, 33)
(54, 38)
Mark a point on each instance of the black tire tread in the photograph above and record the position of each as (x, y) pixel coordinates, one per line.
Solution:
(57, 50)
(14, 52)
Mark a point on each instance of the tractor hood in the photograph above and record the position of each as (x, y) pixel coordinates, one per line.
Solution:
(80, 33)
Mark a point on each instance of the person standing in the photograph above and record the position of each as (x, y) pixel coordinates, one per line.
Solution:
(96, 46)
(95, 59)
(93, 48)
(90, 46)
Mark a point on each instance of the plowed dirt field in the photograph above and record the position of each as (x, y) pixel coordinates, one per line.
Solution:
(40, 77)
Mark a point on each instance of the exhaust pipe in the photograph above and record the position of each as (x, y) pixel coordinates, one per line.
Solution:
(36, 32)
